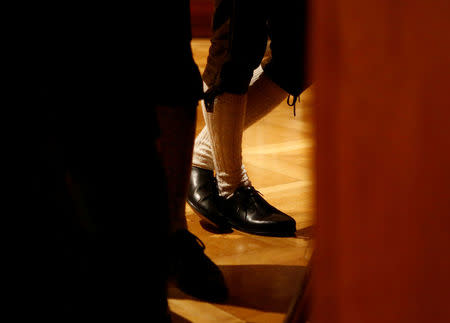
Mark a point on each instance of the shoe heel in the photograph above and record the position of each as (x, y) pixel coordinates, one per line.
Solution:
(224, 226)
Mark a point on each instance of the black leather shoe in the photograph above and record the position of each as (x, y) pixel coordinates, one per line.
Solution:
(193, 272)
(247, 211)
(203, 197)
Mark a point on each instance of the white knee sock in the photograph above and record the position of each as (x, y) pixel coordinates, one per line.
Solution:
(203, 156)
(262, 97)
(225, 127)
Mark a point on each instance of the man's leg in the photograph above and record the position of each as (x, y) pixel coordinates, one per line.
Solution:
(263, 96)
(225, 121)
(177, 131)
(192, 270)
(225, 125)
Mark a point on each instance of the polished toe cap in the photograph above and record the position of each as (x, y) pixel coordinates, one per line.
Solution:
(248, 211)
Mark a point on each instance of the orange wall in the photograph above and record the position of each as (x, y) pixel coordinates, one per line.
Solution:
(382, 70)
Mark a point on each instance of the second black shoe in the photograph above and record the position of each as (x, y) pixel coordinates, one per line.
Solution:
(194, 272)
(247, 211)
(203, 197)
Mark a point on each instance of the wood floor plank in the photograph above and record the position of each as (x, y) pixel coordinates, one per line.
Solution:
(200, 312)
(271, 178)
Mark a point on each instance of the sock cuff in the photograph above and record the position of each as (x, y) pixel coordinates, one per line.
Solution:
(229, 182)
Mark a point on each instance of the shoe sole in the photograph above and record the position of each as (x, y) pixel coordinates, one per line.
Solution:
(231, 224)
(262, 233)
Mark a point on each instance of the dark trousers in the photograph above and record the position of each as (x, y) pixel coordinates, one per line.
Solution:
(90, 200)
(96, 194)
(241, 30)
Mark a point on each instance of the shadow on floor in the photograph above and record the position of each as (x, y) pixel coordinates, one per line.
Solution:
(305, 233)
(212, 229)
(269, 288)
(178, 319)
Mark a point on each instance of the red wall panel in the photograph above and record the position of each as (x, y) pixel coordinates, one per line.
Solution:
(201, 17)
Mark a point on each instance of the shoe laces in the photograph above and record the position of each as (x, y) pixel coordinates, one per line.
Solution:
(200, 242)
(184, 249)
(250, 194)
(196, 240)
(292, 102)
(210, 95)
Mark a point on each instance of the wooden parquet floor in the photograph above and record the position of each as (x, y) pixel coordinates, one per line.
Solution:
(263, 273)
